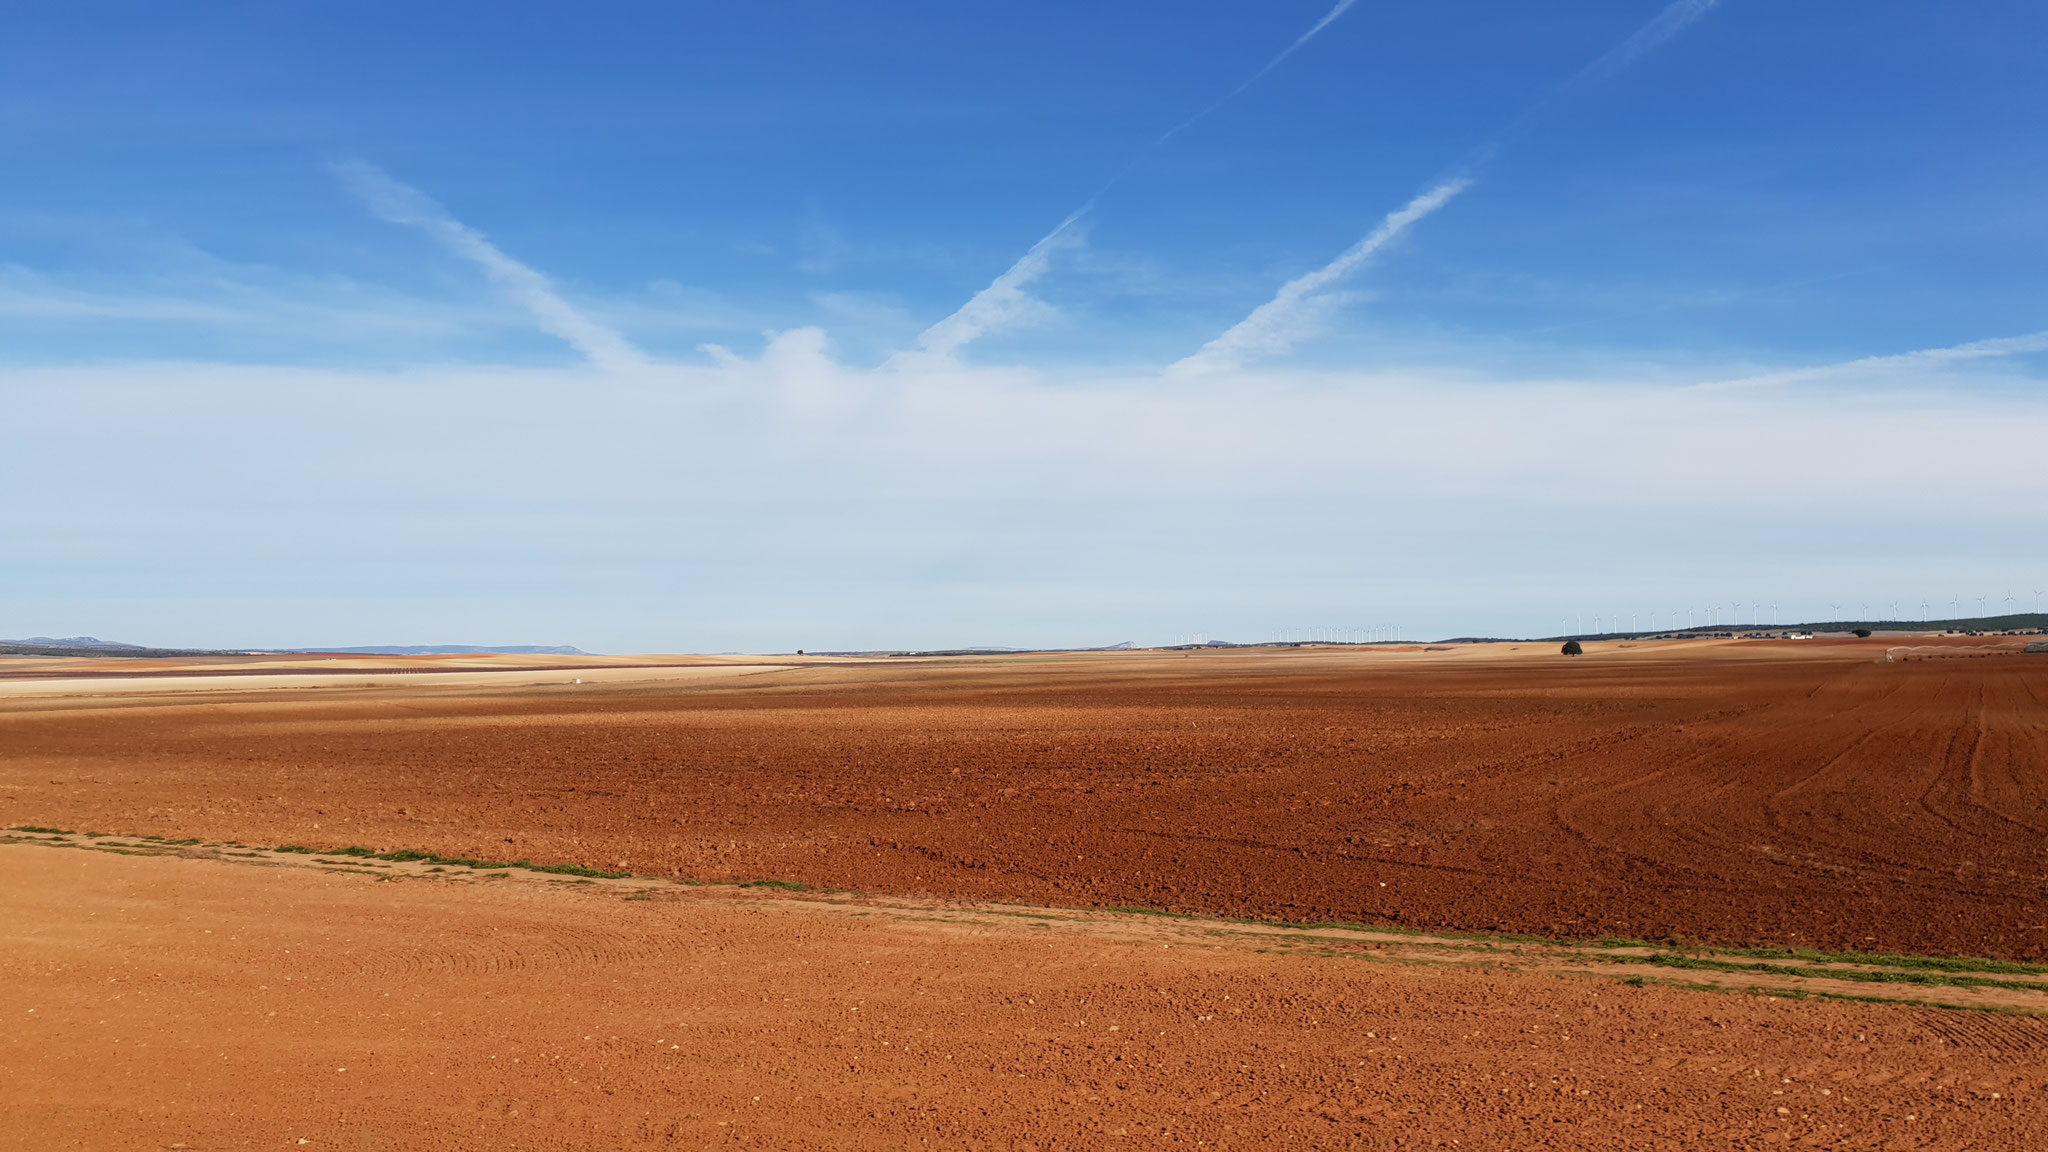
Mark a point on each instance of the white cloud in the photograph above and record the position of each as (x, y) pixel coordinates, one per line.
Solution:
(773, 498)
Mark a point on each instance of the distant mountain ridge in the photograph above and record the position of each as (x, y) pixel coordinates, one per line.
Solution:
(91, 646)
(72, 642)
(94, 646)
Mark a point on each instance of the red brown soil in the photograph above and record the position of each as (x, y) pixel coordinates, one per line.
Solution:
(1790, 793)
(165, 1003)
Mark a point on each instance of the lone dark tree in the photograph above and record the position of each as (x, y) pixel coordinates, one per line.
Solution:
(1571, 648)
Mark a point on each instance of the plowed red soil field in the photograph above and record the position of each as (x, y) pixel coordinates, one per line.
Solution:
(205, 1004)
(1782, 793)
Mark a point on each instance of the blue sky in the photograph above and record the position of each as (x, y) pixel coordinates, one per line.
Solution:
(641, 327)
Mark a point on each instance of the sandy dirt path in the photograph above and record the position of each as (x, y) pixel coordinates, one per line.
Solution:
(162, 1002)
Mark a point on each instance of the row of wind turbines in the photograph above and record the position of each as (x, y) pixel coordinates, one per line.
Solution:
(1340, 634)
(1713, 615)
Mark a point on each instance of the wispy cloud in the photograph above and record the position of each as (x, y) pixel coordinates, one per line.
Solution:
(401, 203)
(215, 300)
(1274, 326)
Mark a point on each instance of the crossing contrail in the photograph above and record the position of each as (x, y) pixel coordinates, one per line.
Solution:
(1005, 300)
(401, 203)
(1273, 327)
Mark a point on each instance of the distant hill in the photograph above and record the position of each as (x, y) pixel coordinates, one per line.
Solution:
(72, 642)
(90, 646)
(94, 646)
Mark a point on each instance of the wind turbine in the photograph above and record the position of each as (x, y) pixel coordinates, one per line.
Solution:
(1980, 603)
(2037, 600)
(2008, 601)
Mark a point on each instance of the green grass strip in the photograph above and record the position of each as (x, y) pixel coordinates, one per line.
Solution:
(1894, 960)
(1923, 979)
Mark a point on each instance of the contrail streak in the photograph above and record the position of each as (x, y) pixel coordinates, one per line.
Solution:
(1675, 18)
(1273, 326)
(1342, 7)
(1998, 346)
(401, 203)
(1005, 301)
